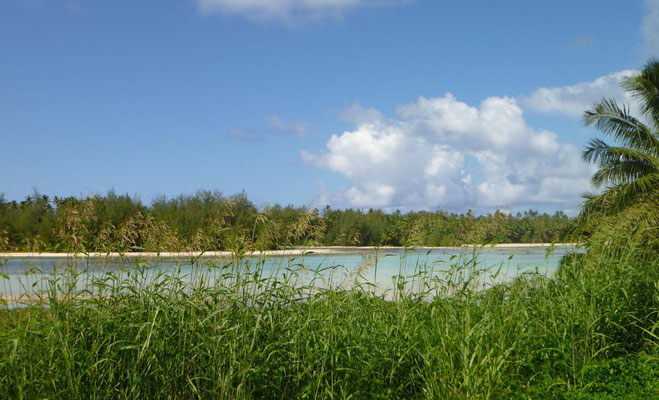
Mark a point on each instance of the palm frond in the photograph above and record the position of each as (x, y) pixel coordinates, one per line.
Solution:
(616, 198)
(644, 88)
(611, 119)
(643, 185)
(599, 151)
(631, 170)
(620, 173)
(597, 203)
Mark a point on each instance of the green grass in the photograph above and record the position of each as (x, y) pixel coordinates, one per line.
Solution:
(589, 332)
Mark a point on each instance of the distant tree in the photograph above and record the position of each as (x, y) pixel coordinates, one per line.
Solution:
(207, 220)
(630, 171)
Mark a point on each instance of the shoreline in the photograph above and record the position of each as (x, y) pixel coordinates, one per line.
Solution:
(298, 251)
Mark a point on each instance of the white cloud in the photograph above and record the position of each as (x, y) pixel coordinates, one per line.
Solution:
(358, 115)
(288, 11)
(650, 29)
(419, 159)
(574, 100)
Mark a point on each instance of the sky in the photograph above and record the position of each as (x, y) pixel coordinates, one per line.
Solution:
(392, 104)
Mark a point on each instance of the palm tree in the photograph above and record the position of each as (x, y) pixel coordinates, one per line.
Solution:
(630, 171)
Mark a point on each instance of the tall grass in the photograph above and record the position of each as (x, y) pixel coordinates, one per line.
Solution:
(250, 333)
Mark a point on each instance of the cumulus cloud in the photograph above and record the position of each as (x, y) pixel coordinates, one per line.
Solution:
(574, 100)
(418, 160)
(650, 28)
(288, 11)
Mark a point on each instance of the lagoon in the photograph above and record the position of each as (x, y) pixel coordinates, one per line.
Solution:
(26, 276)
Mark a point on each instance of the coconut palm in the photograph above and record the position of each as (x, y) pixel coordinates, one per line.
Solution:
(629, 171)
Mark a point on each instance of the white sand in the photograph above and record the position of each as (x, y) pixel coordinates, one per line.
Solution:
(289, 252)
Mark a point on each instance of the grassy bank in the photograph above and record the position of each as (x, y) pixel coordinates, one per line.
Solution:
(589, 332)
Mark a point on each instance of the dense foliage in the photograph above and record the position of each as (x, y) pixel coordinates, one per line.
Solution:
(211, 221)
(589, 332)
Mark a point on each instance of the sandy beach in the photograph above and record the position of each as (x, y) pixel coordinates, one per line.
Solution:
(298, 251)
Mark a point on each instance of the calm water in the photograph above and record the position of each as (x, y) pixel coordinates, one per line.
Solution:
(382, 268)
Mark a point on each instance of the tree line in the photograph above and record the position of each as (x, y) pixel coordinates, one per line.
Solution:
(209, 220)
(628, 174)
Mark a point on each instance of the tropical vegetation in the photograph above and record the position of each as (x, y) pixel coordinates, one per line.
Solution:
(209, 220)
(590, 331)
(629, 171)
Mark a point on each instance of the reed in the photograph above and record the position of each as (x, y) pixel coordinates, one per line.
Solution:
(237, 329)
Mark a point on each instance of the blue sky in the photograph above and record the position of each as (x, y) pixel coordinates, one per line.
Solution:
(418, 104)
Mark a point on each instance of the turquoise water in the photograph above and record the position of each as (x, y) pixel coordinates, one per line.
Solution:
(380, 269)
